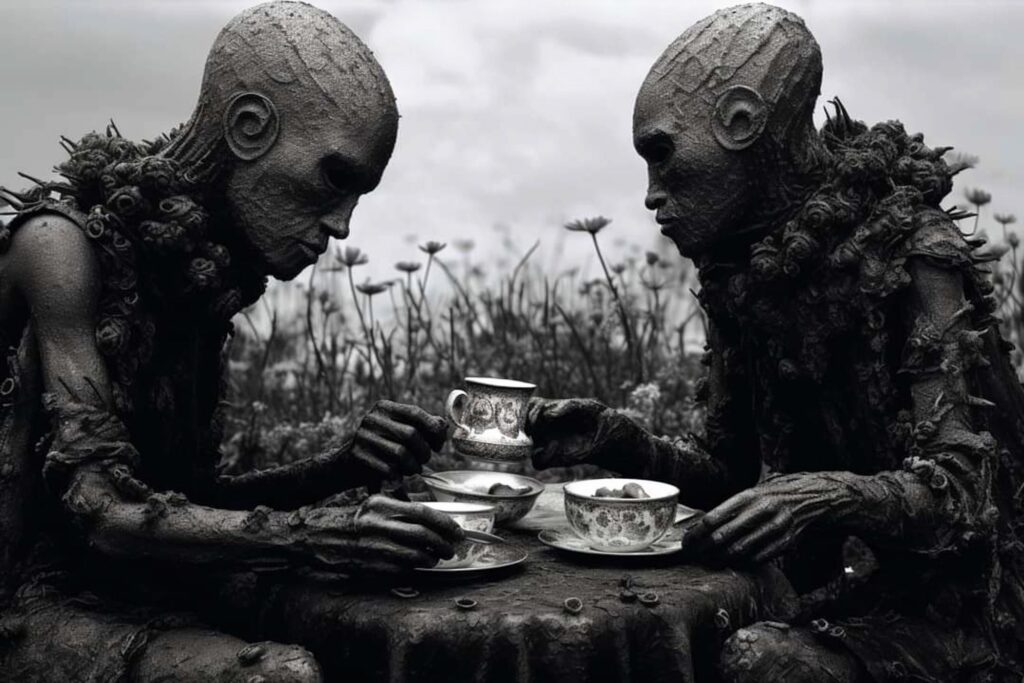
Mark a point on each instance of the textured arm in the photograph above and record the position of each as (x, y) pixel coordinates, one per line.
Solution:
(91, 463)
(573, 431)
(942, 499)
(290, 486)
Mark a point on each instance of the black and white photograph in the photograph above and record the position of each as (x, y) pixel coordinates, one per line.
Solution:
(511, 341)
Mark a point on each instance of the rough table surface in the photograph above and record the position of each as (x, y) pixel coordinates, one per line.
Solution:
(520, 629)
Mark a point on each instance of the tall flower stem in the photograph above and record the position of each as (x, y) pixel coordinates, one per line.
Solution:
(627, 325)
(321, 366)
(367, 334)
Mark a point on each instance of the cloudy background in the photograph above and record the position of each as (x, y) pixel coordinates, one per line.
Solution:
(515, 113)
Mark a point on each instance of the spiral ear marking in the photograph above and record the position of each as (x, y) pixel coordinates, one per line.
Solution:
(251, 125)
(740, 117)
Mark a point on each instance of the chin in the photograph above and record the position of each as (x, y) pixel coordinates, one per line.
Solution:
(685, 247)
(286, 271)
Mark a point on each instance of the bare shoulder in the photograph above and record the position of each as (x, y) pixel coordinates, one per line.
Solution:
(50, 252)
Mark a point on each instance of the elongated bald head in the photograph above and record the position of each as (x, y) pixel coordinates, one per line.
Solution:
(298, 114)
(737, 87)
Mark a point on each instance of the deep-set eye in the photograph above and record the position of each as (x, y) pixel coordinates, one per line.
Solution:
(337, 174)
(657, 149)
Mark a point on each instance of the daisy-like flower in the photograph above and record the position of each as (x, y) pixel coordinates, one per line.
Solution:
(978, 197)
(408, 266)
(353, 256)
(1005, 218)
(591, 225)
(373, 288)
(464, 246)
(432, 247)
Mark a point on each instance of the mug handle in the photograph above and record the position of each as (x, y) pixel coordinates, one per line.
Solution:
(454, 407)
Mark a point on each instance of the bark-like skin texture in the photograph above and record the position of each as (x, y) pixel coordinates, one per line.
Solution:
(852, 351)
(116, 292)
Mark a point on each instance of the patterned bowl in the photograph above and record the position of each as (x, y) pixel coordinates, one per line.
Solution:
(620, 524)
(471, 486)
(468, 516)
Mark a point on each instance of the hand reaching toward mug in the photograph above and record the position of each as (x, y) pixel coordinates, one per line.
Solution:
(574, 431)
(394, 440)
(563, 430)
(383, 536)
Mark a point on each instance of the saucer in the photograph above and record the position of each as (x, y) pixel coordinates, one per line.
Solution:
(497, 556)
(565, 539)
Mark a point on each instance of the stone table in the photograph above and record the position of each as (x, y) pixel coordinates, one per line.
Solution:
(520, 629)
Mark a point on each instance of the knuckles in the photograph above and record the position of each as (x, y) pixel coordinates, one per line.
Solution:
(406, 432)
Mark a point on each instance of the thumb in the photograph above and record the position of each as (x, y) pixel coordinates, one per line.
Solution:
(436, 432)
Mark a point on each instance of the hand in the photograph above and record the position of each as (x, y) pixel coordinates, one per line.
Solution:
(563, 431)
(384, 536)
(395, 440)
(762, 522)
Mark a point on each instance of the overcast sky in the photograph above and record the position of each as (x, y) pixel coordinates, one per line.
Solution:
(515, 111)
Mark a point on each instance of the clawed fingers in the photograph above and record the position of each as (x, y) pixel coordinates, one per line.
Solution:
(398, 457)
(381, 557)
(748, 521)
(432, 428)
(568, 415)
(729, 509)
(399, 433)
(415, 536)
(415, 513)
(371, 461)
(770, 532)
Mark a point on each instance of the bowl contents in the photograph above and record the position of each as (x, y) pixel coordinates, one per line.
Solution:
(500, 489)
(630, 490)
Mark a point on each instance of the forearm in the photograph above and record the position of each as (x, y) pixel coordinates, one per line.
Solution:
(166, 526)
(289, 486)
(90, 468)
(622, 445)
(923, 511)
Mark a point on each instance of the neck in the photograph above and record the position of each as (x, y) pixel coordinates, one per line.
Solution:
(198, 149)
(786, 174)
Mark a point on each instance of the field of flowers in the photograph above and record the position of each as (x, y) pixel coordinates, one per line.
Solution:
(311, 358)
(302, 378)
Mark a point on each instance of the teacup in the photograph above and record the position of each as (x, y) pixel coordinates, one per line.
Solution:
(614, 523)
(468, 516)
(490, 419)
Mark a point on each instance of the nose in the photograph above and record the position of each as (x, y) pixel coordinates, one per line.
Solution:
(655, 199)
(335, 223)
(335, 227)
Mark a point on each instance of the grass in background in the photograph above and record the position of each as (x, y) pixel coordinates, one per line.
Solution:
(311, 359)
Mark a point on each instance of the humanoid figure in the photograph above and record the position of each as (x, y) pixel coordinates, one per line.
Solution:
(117, 288)
(852, 351)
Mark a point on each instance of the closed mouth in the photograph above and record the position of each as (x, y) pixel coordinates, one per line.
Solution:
(667, 224)
(314, 250)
